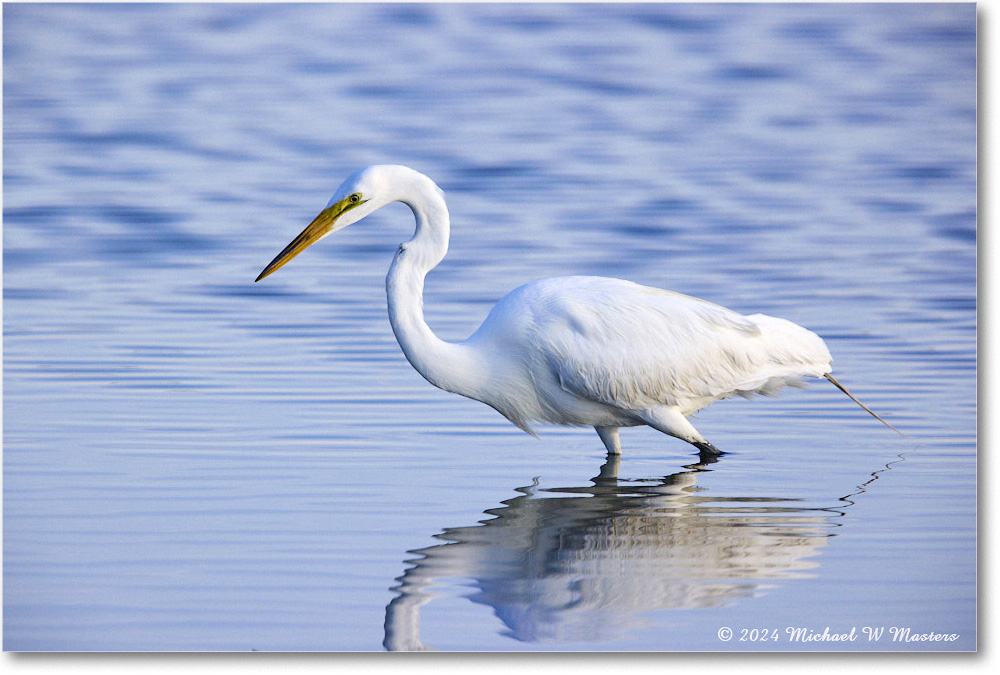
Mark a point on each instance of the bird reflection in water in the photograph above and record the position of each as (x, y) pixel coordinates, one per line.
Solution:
(585, 563)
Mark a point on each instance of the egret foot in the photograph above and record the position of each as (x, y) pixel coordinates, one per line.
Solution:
(670, 420)
(707, 448)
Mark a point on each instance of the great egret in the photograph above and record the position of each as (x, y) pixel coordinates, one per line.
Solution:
(581, 351)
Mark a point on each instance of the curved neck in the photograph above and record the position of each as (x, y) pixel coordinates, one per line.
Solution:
(445, 365)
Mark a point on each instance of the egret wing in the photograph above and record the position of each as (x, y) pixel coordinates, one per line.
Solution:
(638, 347)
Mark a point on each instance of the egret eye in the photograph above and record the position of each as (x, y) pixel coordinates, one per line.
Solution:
(355, 198)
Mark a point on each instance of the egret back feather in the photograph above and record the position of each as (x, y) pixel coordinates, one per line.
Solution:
(633, 348)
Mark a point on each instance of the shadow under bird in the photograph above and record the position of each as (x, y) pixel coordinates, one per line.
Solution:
(580, 351)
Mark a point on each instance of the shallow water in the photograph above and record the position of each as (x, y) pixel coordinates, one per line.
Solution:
(193, 461)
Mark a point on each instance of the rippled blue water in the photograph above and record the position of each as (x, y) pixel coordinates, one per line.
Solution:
(194, 461)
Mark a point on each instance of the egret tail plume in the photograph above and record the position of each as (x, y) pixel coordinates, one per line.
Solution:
(841, 387)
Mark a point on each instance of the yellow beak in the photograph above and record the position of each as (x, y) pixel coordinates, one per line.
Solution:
(322, 225)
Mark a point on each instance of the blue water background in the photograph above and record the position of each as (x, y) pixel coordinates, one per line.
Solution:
(193, 461)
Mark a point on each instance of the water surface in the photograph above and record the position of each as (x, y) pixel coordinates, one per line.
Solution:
(196, 462)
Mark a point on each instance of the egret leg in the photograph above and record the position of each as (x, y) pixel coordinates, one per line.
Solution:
(671, 421)
(609, 435)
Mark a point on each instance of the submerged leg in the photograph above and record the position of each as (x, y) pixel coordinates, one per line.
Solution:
(609, 435)
(670, 420)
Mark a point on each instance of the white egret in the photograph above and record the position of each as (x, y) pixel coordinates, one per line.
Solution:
(581, 351)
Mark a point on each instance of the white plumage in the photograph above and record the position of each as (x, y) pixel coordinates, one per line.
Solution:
(578, 351)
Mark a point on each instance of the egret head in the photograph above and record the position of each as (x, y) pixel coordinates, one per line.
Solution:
(364, 192)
